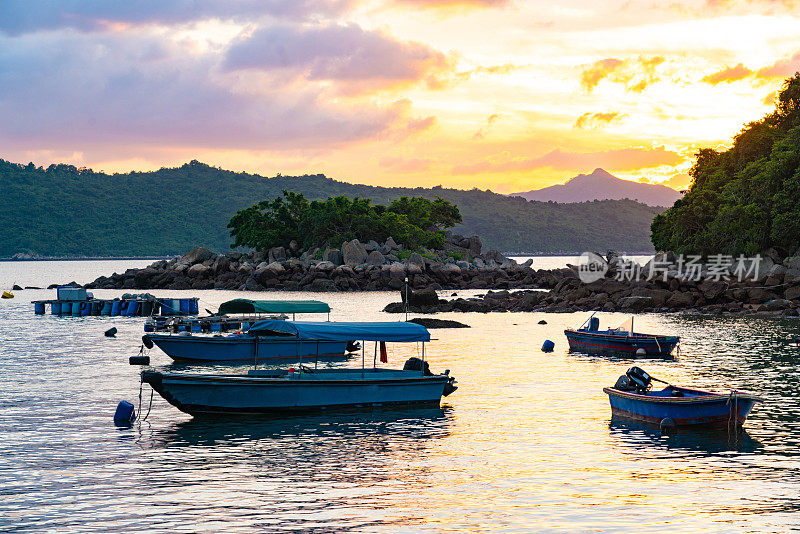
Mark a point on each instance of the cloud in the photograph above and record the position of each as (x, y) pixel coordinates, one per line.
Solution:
(728, 75)
(444, 4)
(679, 181)
(23, 16)
(635, 73)
(622, 159)
(81, 91)
(366, 60)
(490, 120)
(770, 99)
(592, 75)
(592, 120)
(781, 68)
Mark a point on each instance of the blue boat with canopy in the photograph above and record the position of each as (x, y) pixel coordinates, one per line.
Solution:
(203, 340)
(310, 388)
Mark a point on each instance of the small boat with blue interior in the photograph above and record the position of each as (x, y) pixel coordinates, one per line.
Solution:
(588, 338)
(311, 388)
(632, 398)
(248, 345)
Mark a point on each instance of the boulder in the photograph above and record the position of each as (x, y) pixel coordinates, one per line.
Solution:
(276, 254)
(325, 266)
(397, 270)
(792, 293)
(777, 304)
(451, 268)
(353, 252)
(422, 297)
(712, 289)
(680, 299)
(792, 262)
(221, 264)
(246, 268)
(198, 255)
(252, 285)
(463, 265)
(637, 303)
(275, 267)
(323, 284)
(333, 255)
(371, 245)
(495, 256)
(197, 270)
(475, 246)
(375, 258)
(417, 259)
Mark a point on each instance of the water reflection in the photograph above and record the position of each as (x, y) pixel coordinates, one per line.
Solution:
(684, 441)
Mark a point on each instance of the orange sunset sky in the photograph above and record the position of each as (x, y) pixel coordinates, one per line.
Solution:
(500, 94)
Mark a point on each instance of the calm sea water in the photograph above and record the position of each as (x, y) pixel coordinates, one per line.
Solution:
(525, 445)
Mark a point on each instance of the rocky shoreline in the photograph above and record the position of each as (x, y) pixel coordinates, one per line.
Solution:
(355, 266)
(775, 292)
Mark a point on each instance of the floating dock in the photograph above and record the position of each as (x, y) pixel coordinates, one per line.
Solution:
(77, 302)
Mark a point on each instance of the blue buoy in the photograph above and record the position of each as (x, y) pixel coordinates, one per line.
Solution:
(38, 308)
(76, 309)
(116, 306)
(184, 306)
(111, 332)
(106, 309)
(133, 307)
(55, 308)
(194, 307)
(125, 414)
(548, 346)
(86, 309)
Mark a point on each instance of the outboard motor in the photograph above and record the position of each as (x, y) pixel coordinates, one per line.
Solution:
(639, 379)
(416, 364)
(353, 346)
(625, 384)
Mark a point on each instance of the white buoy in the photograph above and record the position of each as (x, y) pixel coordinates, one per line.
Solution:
(641, 353)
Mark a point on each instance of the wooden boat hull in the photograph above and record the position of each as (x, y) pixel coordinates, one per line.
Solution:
(243, 348)
(329, 389)
(601, 343)
(696, 408)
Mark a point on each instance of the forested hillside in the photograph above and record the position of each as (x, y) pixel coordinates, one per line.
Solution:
(744, 200)
(62, 210)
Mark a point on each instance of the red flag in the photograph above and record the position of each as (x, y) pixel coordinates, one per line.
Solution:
(384, 357)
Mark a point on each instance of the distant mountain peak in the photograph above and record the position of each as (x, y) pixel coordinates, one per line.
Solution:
(602, 185)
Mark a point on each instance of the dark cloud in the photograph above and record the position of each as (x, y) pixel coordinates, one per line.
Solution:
(622, 159)
(23, 16)
(344, 53)
(82, 90)
(728, 75)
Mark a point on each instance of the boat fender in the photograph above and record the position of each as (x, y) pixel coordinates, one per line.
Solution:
(548, 346)
(125, 414)
(667, 425)
(147, 342)
(111, 332)
(641, 353)
(139, 360)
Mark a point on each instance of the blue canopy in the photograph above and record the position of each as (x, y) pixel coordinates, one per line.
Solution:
(328, 331)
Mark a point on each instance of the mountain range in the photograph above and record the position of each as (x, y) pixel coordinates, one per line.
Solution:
(602, 185)
(62, 210)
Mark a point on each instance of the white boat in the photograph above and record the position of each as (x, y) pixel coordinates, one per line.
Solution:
(308, 388)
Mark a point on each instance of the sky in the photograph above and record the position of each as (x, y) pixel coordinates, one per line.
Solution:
(507, 95)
